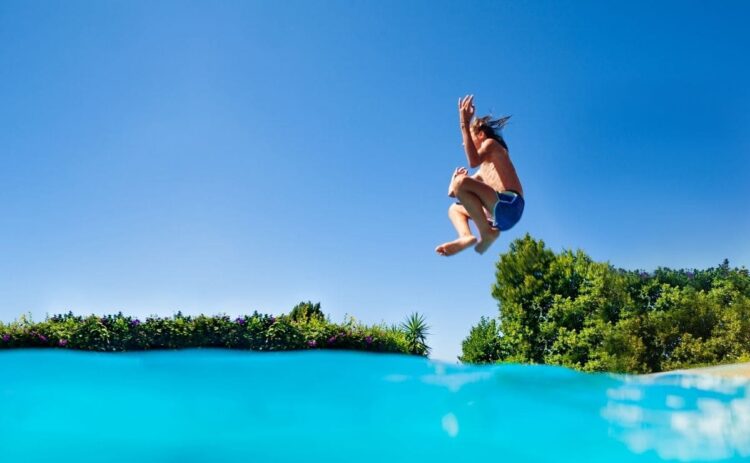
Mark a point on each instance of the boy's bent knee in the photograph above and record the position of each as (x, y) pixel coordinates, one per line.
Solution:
(460, 183)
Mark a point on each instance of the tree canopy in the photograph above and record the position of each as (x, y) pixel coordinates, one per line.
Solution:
(566, 309)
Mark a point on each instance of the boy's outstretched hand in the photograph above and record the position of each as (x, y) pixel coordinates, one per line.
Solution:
(466, 109)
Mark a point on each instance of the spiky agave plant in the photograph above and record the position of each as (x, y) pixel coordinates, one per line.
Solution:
(415, 328)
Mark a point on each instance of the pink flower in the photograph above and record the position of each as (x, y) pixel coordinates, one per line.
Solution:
(312, 343)
(62, 342)
(6, 337)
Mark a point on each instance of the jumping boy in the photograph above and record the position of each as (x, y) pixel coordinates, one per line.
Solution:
(492, 197)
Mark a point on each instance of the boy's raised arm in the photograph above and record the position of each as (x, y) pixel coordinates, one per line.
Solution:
(465, 114)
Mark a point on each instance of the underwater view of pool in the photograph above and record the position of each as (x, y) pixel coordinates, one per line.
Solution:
(213, 405)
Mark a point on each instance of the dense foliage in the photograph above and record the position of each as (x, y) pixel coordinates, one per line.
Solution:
(565, 309)
(304, 328)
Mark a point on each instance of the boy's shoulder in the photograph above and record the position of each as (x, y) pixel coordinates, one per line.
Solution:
(491, 146)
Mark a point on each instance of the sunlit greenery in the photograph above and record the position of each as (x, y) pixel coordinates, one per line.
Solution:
(306, 327)
(566, 309)
(416, 330)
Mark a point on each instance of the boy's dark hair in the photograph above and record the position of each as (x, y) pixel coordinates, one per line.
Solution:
(491, 128)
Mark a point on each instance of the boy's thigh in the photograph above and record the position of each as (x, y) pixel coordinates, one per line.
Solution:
(486, 193)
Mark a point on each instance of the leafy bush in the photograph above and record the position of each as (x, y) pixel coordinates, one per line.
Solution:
(483, 344)
(565, 309)
(304, 311)
(304, 328)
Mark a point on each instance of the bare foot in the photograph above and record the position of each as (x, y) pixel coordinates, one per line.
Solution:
(455, 246)
(486, 240)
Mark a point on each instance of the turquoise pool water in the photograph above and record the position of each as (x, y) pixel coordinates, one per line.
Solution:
(232, 406)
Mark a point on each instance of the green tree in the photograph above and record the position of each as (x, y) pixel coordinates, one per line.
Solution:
(306, 311)
(566, 309)
(484, 343)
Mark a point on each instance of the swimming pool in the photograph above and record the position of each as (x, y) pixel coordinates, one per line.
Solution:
(213, 405)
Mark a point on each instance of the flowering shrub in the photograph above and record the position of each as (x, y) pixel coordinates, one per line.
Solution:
(258, 332)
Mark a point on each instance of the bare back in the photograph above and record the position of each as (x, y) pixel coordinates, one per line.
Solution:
(496, 168)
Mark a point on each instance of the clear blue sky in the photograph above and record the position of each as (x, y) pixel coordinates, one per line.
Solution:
(236, 156)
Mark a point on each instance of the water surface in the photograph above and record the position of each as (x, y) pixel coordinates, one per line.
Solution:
(213, 405)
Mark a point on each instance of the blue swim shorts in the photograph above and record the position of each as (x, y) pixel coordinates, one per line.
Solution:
(508, 210)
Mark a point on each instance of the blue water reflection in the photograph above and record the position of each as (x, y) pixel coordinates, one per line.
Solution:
(230, 406)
